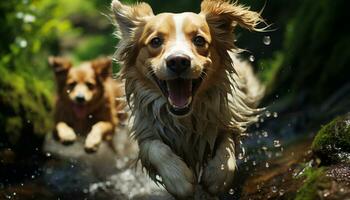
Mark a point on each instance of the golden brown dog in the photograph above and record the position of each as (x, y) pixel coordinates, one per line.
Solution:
(186, 98)
(87, 101)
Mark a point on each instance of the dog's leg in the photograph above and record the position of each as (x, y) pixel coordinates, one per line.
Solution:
(177, 177)
(218, 175)
(96, 134)
(65, 133)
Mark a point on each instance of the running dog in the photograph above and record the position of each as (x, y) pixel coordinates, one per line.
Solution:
(187, 100)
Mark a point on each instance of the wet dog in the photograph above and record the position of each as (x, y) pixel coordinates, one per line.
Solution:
(188, 102)
(87, 101)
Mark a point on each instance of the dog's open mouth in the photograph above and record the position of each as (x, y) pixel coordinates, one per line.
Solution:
(179, 93)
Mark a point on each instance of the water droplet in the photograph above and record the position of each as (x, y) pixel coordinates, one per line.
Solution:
(274, 189)
(267, 40)
(240, 156)
(48, 154)
(265, 134)
(275, 115)
(243, 150)
(231, 191)
(251, 58)
(267, 165)
(222, 167)
(28, 121)
(90, 116)
(264, 148)
(281, 192)
(326, 193)
(254, 163)
(268, 113)
(33, 177)
(276, 143)
(14, 194)
(262, 120)
(68, 91)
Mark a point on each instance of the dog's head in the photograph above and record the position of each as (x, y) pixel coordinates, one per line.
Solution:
(81, 85)
(182, 54)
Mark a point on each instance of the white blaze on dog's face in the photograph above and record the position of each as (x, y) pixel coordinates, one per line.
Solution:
(174, 50)
(181, 54)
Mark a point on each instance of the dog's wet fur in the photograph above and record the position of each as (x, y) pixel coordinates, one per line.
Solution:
(188, 102)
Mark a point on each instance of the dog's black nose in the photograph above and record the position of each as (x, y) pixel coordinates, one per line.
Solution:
(178, 63)
(80, 98)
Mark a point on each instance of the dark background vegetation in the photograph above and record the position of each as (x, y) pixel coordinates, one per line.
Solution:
(305, 68)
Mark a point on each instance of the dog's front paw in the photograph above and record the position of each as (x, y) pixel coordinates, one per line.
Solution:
(179, 180)
(66, 135)
(92, 141)
(218, 175)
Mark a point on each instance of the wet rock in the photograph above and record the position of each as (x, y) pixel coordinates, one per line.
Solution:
(332, 142)
(110, 173)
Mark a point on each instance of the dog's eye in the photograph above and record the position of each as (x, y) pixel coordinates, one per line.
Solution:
(90, 85)
(199, 41)
(72, 84)
(156, 42)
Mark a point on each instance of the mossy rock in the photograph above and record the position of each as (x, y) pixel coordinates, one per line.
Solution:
(325, 183)
(332, 142)
(309, 190)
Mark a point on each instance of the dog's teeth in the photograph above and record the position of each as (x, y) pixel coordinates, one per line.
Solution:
(189, 100)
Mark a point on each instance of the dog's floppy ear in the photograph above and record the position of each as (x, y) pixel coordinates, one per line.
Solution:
(61, 67)
(59, 64)
(102, 67)
(223, 16)
(128, 17)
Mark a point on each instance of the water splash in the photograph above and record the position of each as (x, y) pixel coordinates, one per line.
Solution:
(274, 189)
(231, 191)
(275, 114)
(267, 40)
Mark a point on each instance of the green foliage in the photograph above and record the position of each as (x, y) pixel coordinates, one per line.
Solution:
(332, 142)
(30, 32)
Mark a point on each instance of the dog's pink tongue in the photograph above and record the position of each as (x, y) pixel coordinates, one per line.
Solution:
(180, 92)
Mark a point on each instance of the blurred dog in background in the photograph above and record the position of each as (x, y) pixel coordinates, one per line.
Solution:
(189, 97)
(88, 101)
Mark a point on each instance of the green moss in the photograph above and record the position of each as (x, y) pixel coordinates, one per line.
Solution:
(308, 191)
(332, 142)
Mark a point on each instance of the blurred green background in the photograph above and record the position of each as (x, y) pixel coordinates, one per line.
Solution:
(306, 64)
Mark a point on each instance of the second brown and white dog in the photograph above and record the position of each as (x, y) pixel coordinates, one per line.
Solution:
(88, 101)
(188, 102)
